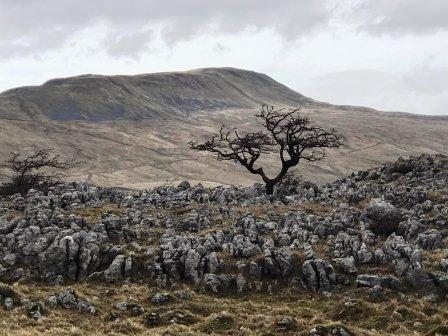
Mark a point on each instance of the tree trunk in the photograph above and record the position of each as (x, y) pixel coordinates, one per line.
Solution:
(270, 188)
(270, 183)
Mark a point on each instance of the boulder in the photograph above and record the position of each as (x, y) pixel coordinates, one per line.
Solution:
(420, 280)
(119, 269)
(430, 240)
(192, 260)
(370, 280)
(347, 265)
(383, 217)
(319, 275)
(159, 298)
(9, 305)
(67, 299)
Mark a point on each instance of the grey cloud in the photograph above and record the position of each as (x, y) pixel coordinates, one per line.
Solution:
(401, 16)
(428, 80)
(220, 48)
(356, 87)
(423, 90)
(128, 44)
(21, 19)
(40, 41)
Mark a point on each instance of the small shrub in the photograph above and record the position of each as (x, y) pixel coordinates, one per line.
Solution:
(7, 291)
(38, 171)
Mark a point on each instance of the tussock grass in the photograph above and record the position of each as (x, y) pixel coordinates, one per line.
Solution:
(435, 197)
(93, 214)
(204, 314)
(431, 259)
(7, 290)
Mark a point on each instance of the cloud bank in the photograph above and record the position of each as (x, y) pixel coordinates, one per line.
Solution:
(386, 54)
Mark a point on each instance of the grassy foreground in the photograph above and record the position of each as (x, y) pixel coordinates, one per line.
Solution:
(203, 314)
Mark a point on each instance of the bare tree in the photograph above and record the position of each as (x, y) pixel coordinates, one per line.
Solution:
(32, 171)
(290, 134)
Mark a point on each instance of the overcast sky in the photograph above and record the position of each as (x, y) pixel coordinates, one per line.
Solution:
(386, 54)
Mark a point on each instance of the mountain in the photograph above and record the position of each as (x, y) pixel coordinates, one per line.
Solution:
(98, 98)
(132, 131)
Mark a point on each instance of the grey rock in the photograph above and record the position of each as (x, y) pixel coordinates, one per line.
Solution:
(427, 206)
(369, 280)
(384, 217)
(212, 283)
(319, 275)
(400, 253)
(152, 320)
(420, 280)
(376, 292)
(241, 284)
(444, 264)
(255, 271)
(159, 298)
(286, 323)
(52, 301)
(116, 271)
(318, 331)
(9, 305)
(430, 240)
(346, 264)
(340, 331)
(10, 259)
(410, 229)
(67, 299)
(86, 307)
(35, 310)
(364, 255)
(123, 305)
(183, 294)
(192, 261)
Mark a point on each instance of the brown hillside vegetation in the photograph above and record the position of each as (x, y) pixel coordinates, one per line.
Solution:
(285, 313)
(132, 131)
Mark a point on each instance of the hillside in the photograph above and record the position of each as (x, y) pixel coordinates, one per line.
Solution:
(161, 95)
(132, 131)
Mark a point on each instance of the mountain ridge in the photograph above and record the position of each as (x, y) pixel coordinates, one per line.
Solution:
(97, 98)
(22, 100)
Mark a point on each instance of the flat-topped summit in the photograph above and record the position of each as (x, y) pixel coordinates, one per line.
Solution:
(96, 98)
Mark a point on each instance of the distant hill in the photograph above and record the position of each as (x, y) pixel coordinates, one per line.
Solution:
(161, 95)
(132, 131)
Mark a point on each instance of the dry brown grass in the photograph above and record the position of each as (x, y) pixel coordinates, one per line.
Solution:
(317, 209)
(93, 214)
(321, 250)
(431, 260)
(142, 154)
(435, 196)
(14, 214)
(262, 211)
(363, 203)
(256, 314)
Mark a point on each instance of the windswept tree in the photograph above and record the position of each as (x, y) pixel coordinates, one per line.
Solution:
(34, 171)
(289, 133)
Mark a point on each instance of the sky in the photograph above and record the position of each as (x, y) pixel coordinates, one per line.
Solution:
(387, 54)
